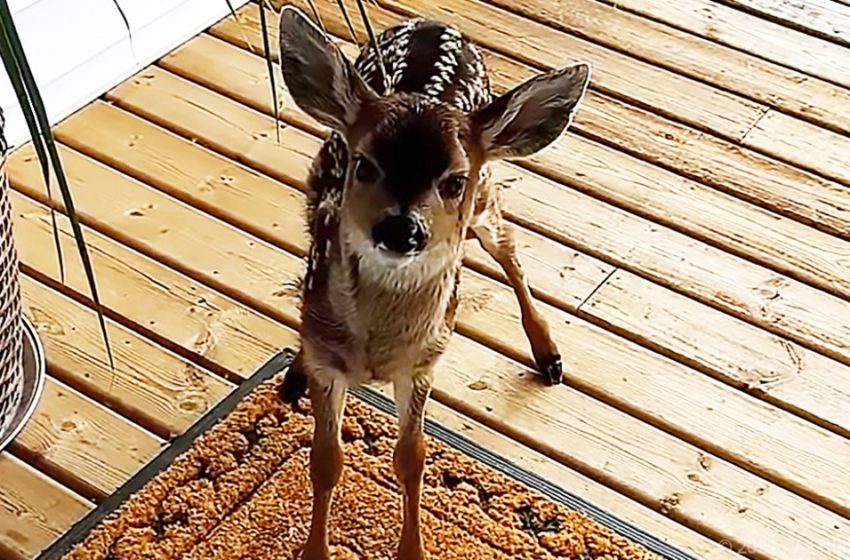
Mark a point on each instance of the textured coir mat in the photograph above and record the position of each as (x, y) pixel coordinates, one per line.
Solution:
(236, 486)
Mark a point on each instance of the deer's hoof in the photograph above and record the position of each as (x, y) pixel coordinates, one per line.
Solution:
(552, 369)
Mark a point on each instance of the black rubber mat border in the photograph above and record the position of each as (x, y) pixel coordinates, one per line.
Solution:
(278, 364)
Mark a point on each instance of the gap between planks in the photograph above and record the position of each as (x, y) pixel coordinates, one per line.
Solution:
(474, 321)
(798, 247)
(496, 375)
(102, 150)
(146, 273)
(136, 146)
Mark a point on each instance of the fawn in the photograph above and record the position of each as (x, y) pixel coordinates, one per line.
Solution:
(398, 186)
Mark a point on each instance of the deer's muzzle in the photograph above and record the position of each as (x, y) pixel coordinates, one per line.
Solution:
(402, 234)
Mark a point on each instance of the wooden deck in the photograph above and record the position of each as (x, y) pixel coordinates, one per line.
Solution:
(690, 240)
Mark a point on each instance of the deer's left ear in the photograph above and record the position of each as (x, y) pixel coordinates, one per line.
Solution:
(532, 115)
(322, 81)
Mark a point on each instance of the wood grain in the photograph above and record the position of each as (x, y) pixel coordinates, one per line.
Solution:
(82, 444)
(749, 33)
(721, 164)
(488, 312)
(561, 276)
(794, 92)
(805, 144)
(763, 364)
(34, 510)
(189, 317)
(155, 388)
(827, 19)
(734, 284)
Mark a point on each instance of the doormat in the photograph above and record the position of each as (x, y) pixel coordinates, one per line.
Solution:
(236, 485)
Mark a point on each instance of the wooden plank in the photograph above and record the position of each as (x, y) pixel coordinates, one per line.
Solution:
(763, 364)
(138, 272)
(748, 510)
(745, 230)
(650, 465)
(614, 73)
(82, 444)
(805, 144)
(34, 510)
(790, 149)
(157, 389)
(684, 483)
(826, 19)
(734, 284)
(723, 165)
(758, 179)
(178, 166)
(272, 210)
(749, 33)
(171, 308)
(804, 96)
(752, 433)
(524, 457)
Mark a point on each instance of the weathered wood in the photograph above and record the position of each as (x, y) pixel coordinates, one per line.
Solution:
(82, 444)
(713, 499)
(778, 86)
(562, 276)
(155, 388)
(272, 210)
(715, 276)
(826, 19)
(642, 383)
(759, 231)
(726, 166)
(763, 364)
(541, 46)
(34, 510)
(805, 144)
(171, 308)
(597, 493)
(749, 33)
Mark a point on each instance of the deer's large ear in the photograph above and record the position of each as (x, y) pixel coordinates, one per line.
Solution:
(532, 115)
(322, 81)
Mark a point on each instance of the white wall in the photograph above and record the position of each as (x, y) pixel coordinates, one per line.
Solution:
(78, 49)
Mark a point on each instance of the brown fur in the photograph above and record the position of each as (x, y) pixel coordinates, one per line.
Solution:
(372, 312)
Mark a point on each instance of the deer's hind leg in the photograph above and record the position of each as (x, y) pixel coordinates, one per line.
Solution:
(326, 458)
(496, 237)
(411, 394)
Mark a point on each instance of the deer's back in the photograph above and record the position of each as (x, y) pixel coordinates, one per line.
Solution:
(430, 58)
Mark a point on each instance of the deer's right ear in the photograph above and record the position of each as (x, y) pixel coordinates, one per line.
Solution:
(322, 81)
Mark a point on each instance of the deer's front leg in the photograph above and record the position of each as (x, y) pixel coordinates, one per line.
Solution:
(496, 237)
(326, 459)
(411, 394)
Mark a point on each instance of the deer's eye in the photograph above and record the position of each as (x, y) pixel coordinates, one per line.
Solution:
(364, 170)
(453, 186)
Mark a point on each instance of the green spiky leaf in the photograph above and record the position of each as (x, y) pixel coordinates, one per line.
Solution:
(35, 114)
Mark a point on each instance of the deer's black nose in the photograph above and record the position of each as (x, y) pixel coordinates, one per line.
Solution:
(404, 234)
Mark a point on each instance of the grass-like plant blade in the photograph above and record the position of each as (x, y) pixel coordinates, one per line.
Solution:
(236, 17)
(33, 102)
(316, 15)
(370, 32)
(348, 22)
(267, 54)
(14, 72)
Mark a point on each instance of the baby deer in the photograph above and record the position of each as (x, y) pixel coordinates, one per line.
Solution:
(395, 190)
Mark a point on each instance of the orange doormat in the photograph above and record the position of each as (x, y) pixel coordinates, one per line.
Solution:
(240, 488)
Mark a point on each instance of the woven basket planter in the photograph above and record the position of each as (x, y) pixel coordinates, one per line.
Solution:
(11, 319)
